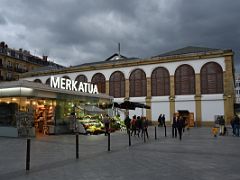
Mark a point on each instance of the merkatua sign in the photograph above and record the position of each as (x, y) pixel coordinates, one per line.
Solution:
(67, 84)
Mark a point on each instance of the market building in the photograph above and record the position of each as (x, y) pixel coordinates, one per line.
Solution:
(197, 80)
(30, 108)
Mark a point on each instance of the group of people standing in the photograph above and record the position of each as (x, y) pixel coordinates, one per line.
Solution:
(178, 125)
(137, 125)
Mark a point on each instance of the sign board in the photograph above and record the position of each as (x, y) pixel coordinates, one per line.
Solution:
(67, 84)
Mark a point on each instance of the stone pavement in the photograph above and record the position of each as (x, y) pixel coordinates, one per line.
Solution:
(198, 156)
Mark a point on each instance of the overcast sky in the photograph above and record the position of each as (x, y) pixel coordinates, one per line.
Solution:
(73, 32)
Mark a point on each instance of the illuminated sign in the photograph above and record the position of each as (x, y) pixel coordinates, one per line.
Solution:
(67, 84)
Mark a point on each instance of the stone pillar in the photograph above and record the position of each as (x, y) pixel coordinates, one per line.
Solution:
(172, 97)
(148, 99)
(127, 88)
(149, 87)
(198, 106)
(107, 87)
(148, 111)
(229, 92)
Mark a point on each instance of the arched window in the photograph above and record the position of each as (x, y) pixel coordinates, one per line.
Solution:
(37, 81)
(48, 81)
(211, 78)
(81, 78)
(100, 81)
(184, 80)
(66, 77)
(138, 83)
(117, 85)
(160, 81)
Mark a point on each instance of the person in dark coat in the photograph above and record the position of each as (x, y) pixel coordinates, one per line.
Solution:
(222, 125)
(145, 126)
(133, 125)
(236, 125)
(139, 125)
(160, 120)
(180, 125)
(174, 126)
(127, 122)
(106, 122)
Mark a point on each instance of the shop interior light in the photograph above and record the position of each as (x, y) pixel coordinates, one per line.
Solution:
(27, 102)
(34, 103)
(14, 99)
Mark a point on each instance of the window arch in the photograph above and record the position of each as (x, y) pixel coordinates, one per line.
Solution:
(37, 81)
(100, 81)
(81, 78)
(184, 80)
(138, 83)
(48, 81)
(211, 78)
(66, 77)
(160, 82)
(117, 85)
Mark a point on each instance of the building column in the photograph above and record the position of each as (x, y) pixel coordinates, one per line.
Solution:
(148, 99)
(127, 88)
(172, 97)
(229, 92)
(107, 87)
(198, 104)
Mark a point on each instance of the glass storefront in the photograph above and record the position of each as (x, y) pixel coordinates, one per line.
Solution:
(49, 112)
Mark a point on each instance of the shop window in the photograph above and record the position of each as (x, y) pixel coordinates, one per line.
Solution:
(160, 82)
(184, 80)
(211, 79)
(117, 85)
(138, 83)
(100, 81)
(7, 113)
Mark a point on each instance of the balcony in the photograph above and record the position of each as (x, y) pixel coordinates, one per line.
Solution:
(10, 67)
(20, 70)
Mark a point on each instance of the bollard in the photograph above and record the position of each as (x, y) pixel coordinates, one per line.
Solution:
(77, 146)
(129, 138)
(165, 129)
(155, 132)
(108, 141)
(28, 154)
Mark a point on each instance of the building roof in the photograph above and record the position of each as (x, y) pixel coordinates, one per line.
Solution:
(187, 50)
(115, 58)
(38, 87)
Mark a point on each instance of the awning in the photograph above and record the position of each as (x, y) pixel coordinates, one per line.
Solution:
(131, 105)
(90, 109)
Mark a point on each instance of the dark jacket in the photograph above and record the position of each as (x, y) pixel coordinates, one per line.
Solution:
(221, 121)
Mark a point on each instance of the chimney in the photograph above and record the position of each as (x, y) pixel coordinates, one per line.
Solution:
(44, 58)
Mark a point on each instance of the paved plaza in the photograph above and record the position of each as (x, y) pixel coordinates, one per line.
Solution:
(198, 156)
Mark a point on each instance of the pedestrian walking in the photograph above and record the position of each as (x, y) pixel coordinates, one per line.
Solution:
(164, 124)
(221, 126)
(236, 125)
(139, 125)
(127, 122)
(145, 126)
(160, 120)
(180, 125)
(106, 122)
(133, 125)
(174, 127)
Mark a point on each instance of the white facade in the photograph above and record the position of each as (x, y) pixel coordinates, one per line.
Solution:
(213, 105)
(237, 88)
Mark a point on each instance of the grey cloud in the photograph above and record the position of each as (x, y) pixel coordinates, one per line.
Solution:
(74, 32)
